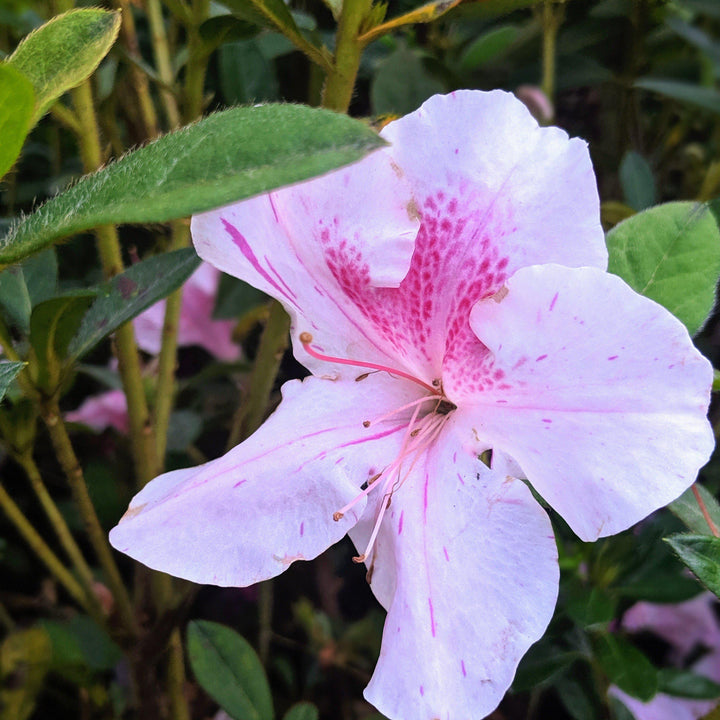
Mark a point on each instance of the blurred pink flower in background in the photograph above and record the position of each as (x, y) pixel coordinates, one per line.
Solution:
(537, 102)
(98, 412)
(685, 627)
(196, 327)
(449, 296)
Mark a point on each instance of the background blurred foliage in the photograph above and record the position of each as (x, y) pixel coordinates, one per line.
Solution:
(638, 79)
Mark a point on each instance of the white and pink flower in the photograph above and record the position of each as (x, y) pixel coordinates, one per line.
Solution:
(449, 296)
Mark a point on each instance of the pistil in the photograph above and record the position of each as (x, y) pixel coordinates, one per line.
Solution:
(306, 338)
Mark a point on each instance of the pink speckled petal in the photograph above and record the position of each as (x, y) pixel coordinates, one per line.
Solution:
(496, 192)
(597, 392)
(196, 326)
(476, 585)
(683, 625)
(268, 502)
(315, 247)
(99, 412)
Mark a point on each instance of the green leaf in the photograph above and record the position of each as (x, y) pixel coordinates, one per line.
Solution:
(63, 52)
(24, 662)
(41, 276)
(80, 644)
(274, 14)
(15, 299)
(637, 181)
(52, 324)
(302, 711)
(542, 664)
(17, 99)
(246, 75)
(626, 666)
(683, 683)
(126, 295)
(225, 157)
(8, 372)
(687, 509)
(489, 46)
(229, 670)
(402, 84)
(685, 92)
(701, 553)
(424, 14)
(671, 254)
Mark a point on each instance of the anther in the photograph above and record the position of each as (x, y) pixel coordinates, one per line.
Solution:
(359, 559)
(415, 432)
(366, 423)
(306, 338)
(338, 516)
(361, 377)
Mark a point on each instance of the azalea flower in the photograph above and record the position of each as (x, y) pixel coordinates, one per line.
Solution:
(684, 626)
(449, 296)
(196, 327)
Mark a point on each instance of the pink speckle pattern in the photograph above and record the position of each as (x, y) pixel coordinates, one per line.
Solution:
(458, 260)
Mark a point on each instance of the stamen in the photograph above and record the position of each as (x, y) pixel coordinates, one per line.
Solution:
(306, 339)
(425, 398)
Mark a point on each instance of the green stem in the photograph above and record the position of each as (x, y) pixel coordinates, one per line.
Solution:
(161, 52)
(67, 541)
(552, 18)
(272, 346)
(139, 79)
(196, 66)
(96, 535)
(126, 348)
(340, 81)
(265, 606)
(167, 361)
(6, 619)
(179, 709)
(41, 548)
(711, 183)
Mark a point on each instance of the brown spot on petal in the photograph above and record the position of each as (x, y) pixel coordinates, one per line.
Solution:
(412, 210)
(501, 294)
(131, 512)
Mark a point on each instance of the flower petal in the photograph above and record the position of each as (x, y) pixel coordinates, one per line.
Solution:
(496, 193)
(313, 245)
(477, 577)
(597, 392)
(493, 191)
(270, 501)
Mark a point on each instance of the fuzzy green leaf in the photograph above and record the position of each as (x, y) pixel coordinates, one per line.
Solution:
(225, 157)
(63, 52)
(17, 100)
